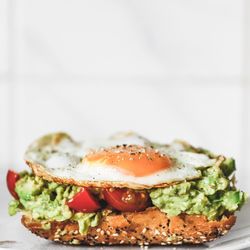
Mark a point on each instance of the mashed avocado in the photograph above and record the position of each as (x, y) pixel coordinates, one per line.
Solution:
(46, 201)
(212, 195)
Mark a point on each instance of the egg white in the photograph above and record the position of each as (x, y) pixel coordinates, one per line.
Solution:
(64, 160)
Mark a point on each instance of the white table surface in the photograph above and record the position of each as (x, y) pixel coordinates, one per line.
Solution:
(14, 236)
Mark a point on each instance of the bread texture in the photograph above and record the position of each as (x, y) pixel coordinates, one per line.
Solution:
(149, 227)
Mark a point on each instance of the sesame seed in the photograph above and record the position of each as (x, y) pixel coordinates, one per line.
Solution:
(178, 243)
(144, 230)
(75, 242)
(63, 232)
(157, 232)
(96, 237)
(122, 241)
(164, 233)
(98, 230)
(102, 232)
(115, 234)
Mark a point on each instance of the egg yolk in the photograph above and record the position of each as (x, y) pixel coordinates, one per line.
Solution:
(132, 159)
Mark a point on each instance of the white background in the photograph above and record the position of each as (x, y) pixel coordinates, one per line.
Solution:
(166, 69)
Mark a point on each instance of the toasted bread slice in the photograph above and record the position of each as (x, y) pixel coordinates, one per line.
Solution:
(149, 227)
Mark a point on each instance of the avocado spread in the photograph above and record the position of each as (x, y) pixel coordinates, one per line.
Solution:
(46, 201)
(213, 195)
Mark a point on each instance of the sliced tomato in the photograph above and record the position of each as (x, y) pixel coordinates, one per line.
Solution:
(11, 179)
(126, 200)
(84, 202)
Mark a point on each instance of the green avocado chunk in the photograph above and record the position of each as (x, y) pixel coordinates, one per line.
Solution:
(212, 195)
(46, 201)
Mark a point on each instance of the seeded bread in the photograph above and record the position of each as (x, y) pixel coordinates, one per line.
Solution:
(149, 227)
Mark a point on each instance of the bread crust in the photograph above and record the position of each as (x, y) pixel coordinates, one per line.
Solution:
(149, 227)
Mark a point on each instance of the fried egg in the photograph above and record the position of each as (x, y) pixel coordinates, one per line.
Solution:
(123, 160)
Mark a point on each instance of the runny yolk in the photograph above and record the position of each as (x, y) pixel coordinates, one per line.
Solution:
(133, 160)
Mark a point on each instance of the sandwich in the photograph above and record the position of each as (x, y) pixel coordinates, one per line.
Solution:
(125, 190)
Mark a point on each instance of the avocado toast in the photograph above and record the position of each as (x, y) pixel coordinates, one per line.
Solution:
(191, 196)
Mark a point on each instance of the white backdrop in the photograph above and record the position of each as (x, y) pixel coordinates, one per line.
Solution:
(166, 69)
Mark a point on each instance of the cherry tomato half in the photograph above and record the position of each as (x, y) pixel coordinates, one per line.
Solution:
(11, 179)
(84, 202)
(126, 200)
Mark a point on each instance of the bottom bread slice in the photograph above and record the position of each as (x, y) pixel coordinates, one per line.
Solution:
(149, 227)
